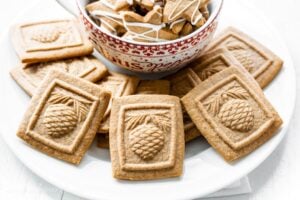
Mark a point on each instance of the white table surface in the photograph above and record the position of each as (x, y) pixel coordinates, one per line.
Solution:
(277, 178)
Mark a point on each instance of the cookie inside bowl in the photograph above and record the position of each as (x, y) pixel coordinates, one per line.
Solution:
(146, 21)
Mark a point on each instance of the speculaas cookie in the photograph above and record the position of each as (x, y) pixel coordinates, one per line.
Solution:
(263, 64)
(50, 40)
(153, 87)
(148, 28)
(186, 9)
(30, 77)
(119, 85)
(186, 29)
(146, 137)
(63, 116)
(106, 16)
(232, 113)
(196, 72)
(199, 70)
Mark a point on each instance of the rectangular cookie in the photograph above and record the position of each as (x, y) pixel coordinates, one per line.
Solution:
(183, 81)
(153, 87)
(50, 40)
(146, 137)
(30, 77)
(261, 62)
(232, 113)
(63, 116)
(196, 72)
(119, 85)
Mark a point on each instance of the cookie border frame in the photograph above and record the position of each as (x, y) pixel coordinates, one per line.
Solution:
(120, 138)
(83, 146)
(41, 106)
(213, 124)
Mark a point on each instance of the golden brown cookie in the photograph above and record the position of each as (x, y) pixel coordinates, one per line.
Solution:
(205, 12)
(63, 116)
(146, 137)
(196, 72)
(263, 64)
(116, 5)
(183, 81)
(186, 29)
(50, 40)
(106, 16)
(177, 25)
(146, 4)
(232, 113)
(119, 85)
(186, 9)
(153, 87)
(30, 77)
(148, 28)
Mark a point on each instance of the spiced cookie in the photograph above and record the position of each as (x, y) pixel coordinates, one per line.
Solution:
(146, 137)
(49, 40)
(63, 116)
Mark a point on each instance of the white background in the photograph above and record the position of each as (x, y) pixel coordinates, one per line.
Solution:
(277, 178)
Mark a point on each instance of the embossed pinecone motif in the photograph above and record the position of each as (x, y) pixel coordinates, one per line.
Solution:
(146, 141)
(237, 115)
(233, 109)
(59, 119)
(63, 114)
(246, 58)
(46, 35)
(243, 54)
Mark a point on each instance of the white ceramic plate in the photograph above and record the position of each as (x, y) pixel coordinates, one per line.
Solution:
(204, 170)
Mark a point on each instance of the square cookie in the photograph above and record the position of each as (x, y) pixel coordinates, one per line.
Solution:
(30, 77)
(119, 85)
(63, 116)
(50, 40)
(183, 81)
(232, 113)
(146, 137)
(263, 64)
(196, 72)
(153, 87)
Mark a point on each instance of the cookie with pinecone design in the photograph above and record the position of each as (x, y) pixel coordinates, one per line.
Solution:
(45, 41)
(185, 80)
(29, 77)
(232, 113)
(257, 59)
(63, 116)
(146, 137)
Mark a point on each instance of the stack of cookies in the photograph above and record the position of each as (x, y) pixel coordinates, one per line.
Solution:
(145, 124)
(149, 20)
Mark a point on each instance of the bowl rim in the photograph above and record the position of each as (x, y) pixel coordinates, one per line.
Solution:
(211, 19)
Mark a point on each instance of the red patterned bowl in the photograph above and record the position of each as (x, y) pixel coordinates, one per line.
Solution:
(151, 57)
